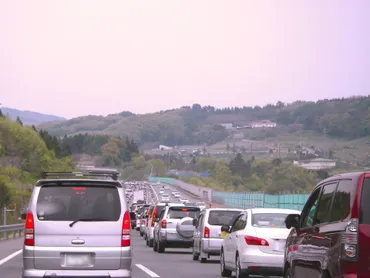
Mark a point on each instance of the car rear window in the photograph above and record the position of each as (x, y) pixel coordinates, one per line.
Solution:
(269, 220)
(222, 217)
(133, 215)
(181, 212)
(68, 203)
(365, 203)
(165, 195)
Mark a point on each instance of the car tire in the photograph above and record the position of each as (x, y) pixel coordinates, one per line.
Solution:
(195, 255)
(224, 272)
(141, 234)
(239, 273)
(288, 273)
(161, 247)
(151, 243)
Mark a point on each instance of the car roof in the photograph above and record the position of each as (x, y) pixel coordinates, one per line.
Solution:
(87, 181)
(224, 209)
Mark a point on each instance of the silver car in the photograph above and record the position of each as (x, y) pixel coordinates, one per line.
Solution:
(175, 227)
(77, 228)
(207, 235)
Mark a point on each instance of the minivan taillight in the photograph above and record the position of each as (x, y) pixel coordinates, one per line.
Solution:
(251, 240)
(29, 233)
(349, 241)
(153, 217)
(206, 232)
(126, 230)
(164, 224)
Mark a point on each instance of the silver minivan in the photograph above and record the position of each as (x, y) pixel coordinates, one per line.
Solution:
(207, 235)
(77, 227)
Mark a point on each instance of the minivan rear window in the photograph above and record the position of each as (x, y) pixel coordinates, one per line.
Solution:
(181, 212)
(68, 203)
(222, 217)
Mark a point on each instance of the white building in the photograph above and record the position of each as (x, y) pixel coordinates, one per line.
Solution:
(263, 124)
(227, 126)
(316, 164)
(165, 148)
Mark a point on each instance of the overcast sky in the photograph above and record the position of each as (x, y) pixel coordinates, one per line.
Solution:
(72, 58)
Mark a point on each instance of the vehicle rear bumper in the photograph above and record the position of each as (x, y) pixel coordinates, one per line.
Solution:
(257, 262)
(211, 246)
(37, 273)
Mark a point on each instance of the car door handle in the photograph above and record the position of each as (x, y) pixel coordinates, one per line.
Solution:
(236, 236)
(78, 241)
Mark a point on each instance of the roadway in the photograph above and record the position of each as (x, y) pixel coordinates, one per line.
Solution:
(146, 263)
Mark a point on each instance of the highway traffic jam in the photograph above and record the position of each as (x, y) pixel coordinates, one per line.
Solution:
(107, 228)
(167, 220)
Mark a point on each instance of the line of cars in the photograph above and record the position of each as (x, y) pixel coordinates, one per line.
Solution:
(248, 241)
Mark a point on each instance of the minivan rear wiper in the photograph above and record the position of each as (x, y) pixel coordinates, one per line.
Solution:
(89, 219)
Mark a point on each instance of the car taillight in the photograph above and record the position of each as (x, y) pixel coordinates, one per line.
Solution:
(164, 224)
(126, 230)
(29, 233)
(153, 217)
(206, 232)
(251, 240)
(143, 221)
(349, 241)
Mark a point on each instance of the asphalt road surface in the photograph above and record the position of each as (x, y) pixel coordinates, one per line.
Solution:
(146, 263)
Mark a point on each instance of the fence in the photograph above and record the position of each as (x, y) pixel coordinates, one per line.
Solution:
(252, 200)
(239, 200)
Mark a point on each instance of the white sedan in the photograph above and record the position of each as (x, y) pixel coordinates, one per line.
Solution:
(254, 244)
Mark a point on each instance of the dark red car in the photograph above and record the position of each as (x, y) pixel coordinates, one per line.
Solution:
(331, 237)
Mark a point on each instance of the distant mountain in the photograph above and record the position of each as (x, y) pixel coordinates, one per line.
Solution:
(29, 117)
(345, 118)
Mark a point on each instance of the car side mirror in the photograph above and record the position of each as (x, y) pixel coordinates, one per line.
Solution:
(292, 221)
(225, 228)
(23, 215)
(195, 222)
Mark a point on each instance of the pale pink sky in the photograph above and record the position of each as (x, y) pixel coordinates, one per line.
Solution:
(72, 58)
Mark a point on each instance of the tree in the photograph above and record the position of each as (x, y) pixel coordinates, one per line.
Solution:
(19, 121)
(239, 167)
(4, 193)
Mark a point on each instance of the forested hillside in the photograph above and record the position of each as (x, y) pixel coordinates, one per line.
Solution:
(29, 117)
(346, 118)
(23, 156)
(25, 152)
(241, 174)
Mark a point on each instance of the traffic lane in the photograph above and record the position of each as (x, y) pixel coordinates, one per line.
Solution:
(10, 246)
(12, 268)
(158, 187)
(179, 263)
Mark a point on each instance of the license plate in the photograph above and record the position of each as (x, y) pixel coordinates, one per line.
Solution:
(280, 246)
(78, 260)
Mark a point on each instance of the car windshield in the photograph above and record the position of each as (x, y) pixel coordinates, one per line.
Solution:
(181, 212)
(222, 217)
(269, 220)
(68, 203)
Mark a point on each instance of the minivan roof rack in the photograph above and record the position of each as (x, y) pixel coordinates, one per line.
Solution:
(108, 173)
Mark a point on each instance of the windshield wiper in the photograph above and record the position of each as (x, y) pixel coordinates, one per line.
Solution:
(90, 219)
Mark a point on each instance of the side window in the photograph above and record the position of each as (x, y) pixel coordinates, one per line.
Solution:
(324, 207)
(310, 209)
(234, 228)
(243, 222)
(161, 215)
(200, 220)
(342, 200)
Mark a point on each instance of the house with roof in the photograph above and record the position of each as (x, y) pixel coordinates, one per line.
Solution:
(316, 164)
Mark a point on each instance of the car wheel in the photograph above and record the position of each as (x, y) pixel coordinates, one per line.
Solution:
(161, 247)
(224, 272)
(195, 255)
(288, 273)
(155, 246)
(239, 272)
(150, 243)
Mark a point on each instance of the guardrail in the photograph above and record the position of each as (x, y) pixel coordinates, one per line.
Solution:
(11, 231)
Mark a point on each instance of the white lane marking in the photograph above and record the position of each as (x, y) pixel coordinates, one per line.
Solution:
(3, 261)
(147, 271)
(155, 193)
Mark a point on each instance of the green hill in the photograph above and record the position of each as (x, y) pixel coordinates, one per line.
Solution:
(346, 118)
